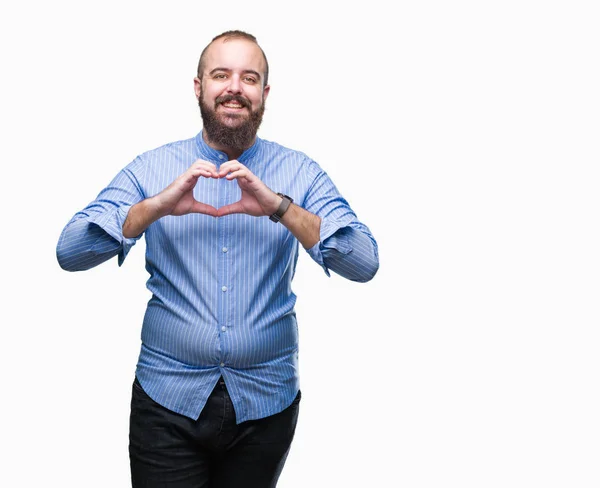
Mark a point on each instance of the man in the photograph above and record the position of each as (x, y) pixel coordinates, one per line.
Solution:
(216, 395)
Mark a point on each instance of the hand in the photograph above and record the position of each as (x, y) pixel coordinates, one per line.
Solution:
(257, 199)
(178, 197)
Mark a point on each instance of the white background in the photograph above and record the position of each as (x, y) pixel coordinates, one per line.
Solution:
(464, 134)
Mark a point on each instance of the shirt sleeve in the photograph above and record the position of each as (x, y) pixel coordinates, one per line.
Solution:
(95, 234)
(346, 245)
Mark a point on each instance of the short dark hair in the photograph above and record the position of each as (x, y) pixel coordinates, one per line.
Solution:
(234, 34)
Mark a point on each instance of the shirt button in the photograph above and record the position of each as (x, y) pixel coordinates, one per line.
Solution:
(224, 249)
(223, 328)
(223, 288)
(221, 157)
(222, 365)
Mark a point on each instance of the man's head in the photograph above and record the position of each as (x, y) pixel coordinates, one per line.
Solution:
(231, 88)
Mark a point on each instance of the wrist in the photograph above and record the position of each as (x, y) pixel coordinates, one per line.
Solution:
(282, 208)
(277, 199)
(156, 207)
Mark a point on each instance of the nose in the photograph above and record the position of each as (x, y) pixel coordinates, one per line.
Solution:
(235, 87)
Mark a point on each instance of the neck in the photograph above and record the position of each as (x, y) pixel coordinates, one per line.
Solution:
(232, 153)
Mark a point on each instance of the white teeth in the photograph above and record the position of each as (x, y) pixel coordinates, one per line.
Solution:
(232, 105)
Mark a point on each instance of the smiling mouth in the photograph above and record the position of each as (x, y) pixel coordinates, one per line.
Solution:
(232, 102)
(232, 105)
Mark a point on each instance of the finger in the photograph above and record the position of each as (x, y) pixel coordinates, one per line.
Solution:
(205, 163)
(189, 179)
(207, 173)
(231, 162)
(240, 173)
(191, 176)
(206, 166)
(232, 208)
(203, 208)
(196, 172)
(230, 166)
(210, 172)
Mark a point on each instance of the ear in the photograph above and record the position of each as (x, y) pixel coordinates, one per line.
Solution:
(266, 91)
(197, 87)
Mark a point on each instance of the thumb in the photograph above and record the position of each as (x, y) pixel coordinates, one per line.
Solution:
(233, 208)
(203, 208)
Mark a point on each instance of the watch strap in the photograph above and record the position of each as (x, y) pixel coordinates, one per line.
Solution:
(285, 204)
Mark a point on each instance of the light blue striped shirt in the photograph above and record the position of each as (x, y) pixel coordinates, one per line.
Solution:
(222, 302)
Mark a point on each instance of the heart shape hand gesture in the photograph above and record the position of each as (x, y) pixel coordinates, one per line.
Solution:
(257, 199)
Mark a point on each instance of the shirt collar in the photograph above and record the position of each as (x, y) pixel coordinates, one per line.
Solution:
(209, 154)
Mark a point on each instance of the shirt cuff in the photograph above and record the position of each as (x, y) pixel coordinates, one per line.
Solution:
(330, 238)
(112, 224)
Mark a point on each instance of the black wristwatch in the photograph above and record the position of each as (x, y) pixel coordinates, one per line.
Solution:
(285, 204)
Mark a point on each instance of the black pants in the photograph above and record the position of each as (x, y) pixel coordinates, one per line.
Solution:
(170, 450)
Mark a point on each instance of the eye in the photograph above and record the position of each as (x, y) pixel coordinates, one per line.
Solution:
(250, 79)
(220, 76)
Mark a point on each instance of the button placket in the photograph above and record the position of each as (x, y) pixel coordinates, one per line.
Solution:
(224, 302)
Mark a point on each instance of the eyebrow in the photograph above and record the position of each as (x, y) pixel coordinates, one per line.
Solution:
(246, 71)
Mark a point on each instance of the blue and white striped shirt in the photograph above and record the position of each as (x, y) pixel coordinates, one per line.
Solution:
(222, 303)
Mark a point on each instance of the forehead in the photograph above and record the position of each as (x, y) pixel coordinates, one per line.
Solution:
(234, 54)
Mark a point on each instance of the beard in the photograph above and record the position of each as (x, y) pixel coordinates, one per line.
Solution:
(238, 131)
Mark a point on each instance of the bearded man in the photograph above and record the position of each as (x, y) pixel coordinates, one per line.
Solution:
(216, 393)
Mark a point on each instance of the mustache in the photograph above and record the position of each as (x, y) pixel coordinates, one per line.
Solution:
(233, 98)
